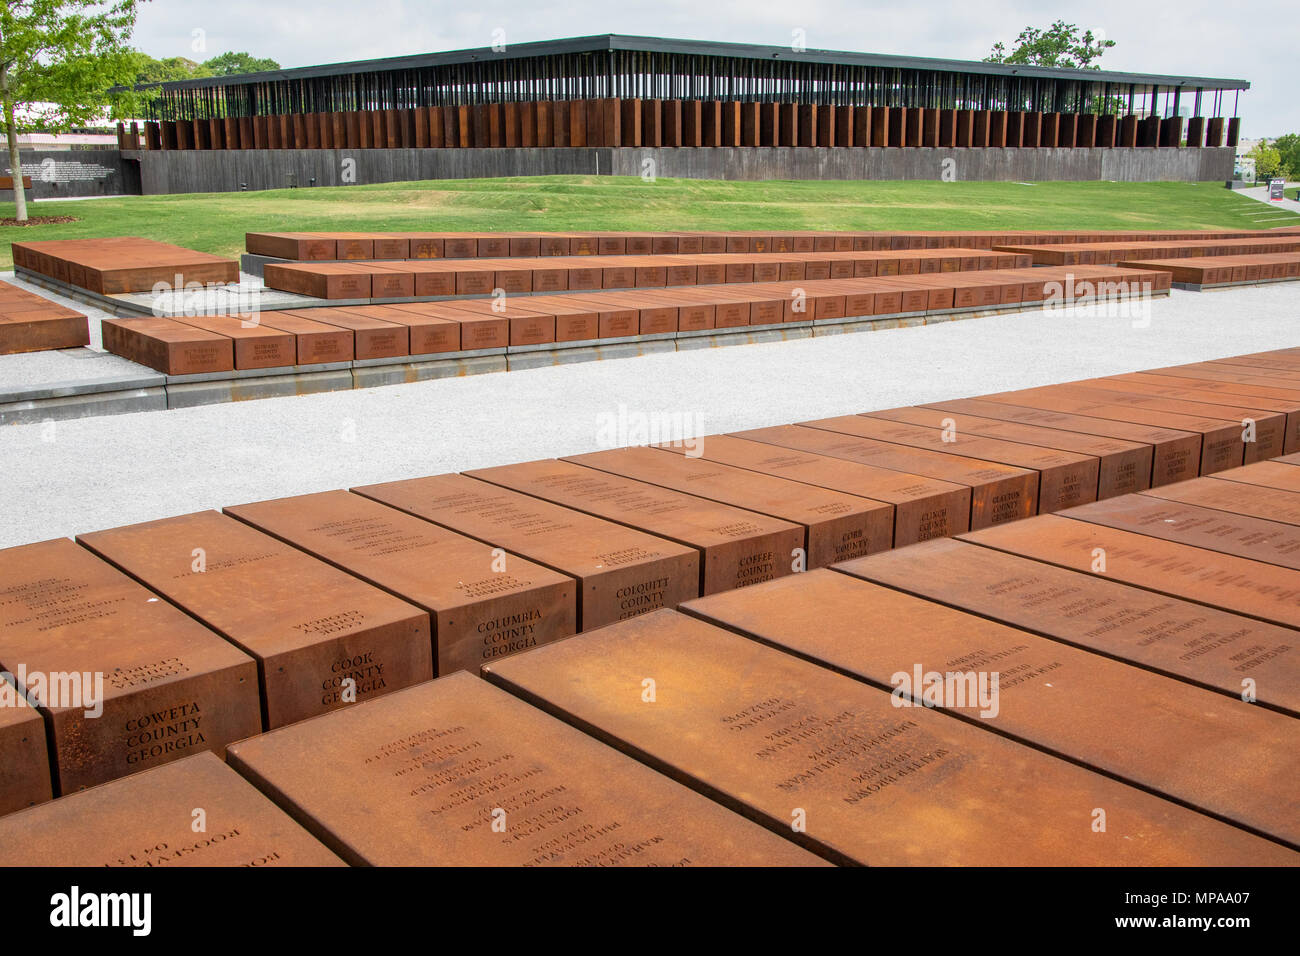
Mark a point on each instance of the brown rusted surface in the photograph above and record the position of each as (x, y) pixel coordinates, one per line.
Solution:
(1233, 370)
(837, 526)
(483, 603)
(324, 280)
(791, 741)
(372, 337)
(167, 346)
(1270, 427)
(1264, 363)
(998, 492)
(34, 332)
(24, 762)
(476, 331)
(1224, 581)
(290, 245)
(314, 342)
(1205, 646)
(390, 282)
(621, 572)
(1257, 391)
(1234, 406)
(654, 315)
(1226, 377)
(1221, 445)
(1143, 728)
(456, 772)
(459, 278)
(1065, 478)
(1223, 270)
(32, 323)
(572, 323)
(551, 273)
(923, 507)
(611, 321)
(1124, 466)
(255, 345)
(693, 315)
(1175, 456)
(170, 686)
(435, 244)
(354, 245)
(1279, 361)
(608, 313)
(737, 547)
(1280, 473)
(310, 627)
(427, 334)
(1273, 542)
(1272, 504)
(121, 264)
(148, 819)
(1128, 252)
(528, 326)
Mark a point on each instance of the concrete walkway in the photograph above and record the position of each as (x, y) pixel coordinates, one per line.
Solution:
(1260, 194)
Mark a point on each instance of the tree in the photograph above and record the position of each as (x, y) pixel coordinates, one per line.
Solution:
(58, 59)
(150, 70)
(1288, 148)
(232, 64)
(1268, 161)
(135, 98)
(1060, 45)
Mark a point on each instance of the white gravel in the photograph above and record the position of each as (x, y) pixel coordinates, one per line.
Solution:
(28, 370)
(69, 477)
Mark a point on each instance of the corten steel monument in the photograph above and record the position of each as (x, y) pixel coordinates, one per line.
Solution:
(604, 104)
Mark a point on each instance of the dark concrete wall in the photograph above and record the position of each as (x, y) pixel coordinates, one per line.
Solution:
(189, 171)
(76, 172)
(990, 165)
(185, 171)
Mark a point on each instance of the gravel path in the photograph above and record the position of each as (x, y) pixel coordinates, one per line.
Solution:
(68, 477)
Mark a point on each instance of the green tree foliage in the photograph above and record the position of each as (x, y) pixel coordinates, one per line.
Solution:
(233, 64)
(1268, 161)
(1060, 45)
(1288, 148)
(58, 60)
(151, 70)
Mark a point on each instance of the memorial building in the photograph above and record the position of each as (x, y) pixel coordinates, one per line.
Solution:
(620, 105)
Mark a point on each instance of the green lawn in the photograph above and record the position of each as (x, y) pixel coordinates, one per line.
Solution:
(216, 222)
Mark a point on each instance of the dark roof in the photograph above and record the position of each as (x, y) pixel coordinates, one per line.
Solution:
(610, 41)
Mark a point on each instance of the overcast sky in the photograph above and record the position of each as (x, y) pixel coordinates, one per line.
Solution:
(1254, 41)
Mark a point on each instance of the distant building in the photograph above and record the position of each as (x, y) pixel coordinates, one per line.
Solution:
(78, 139)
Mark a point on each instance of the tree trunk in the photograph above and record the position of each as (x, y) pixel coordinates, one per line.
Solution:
(20, 198)
(15, 161)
